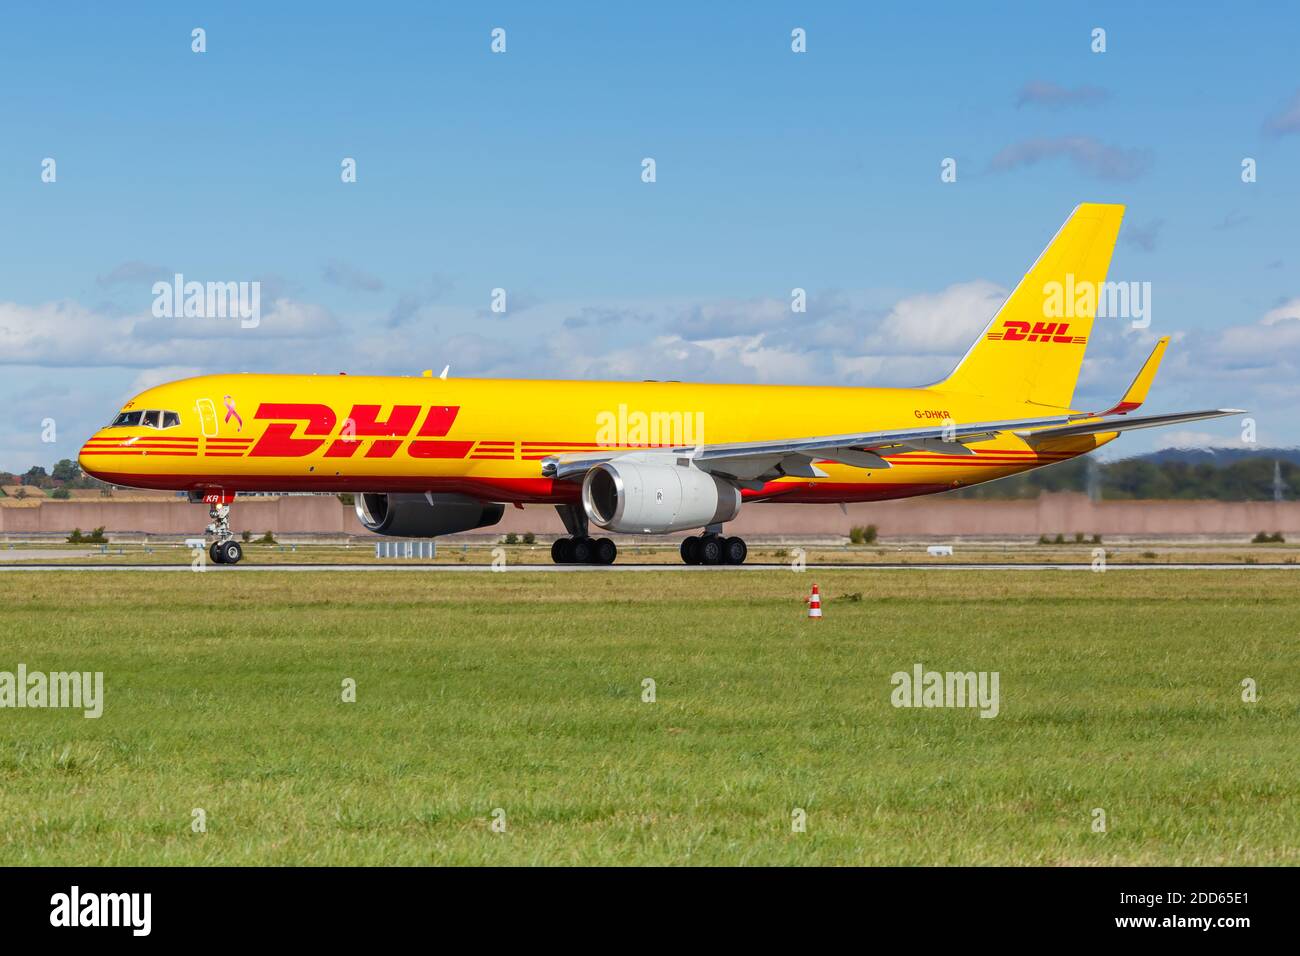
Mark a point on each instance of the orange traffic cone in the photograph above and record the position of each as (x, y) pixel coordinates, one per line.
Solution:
(815, 604)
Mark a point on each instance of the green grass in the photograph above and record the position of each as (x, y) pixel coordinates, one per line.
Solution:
(523, 692)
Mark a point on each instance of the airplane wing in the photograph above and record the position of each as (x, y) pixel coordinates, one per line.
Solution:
(748, 461)
(1123, 424)
(752, 463)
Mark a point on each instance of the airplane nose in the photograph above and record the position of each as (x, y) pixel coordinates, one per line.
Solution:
(86, 458)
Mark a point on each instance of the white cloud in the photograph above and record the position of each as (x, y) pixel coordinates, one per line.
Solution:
(65, 333)
(943, 322)
(1268, 340)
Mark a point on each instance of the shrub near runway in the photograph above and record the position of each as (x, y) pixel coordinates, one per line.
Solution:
(524, 694)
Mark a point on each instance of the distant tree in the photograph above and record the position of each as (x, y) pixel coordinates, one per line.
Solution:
(35, 476)
(1245, 479)
(65, 469)
(61, 493)
(529, 537)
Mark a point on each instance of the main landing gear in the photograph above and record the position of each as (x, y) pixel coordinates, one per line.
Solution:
(579, 547)
(583, 551)
(713, 548)
(225, 550)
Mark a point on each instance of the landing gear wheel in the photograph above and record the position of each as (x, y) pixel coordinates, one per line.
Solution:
(582, 550)
(230, 552)
(562, 551)
(734, 551)
(605, 551)
(214, 552)
(710, 549)
(691, 550)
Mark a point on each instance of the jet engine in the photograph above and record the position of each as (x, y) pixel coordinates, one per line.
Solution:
(425, 516)
(655, 496)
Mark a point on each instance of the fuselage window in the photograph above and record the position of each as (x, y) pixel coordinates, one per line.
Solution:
(126, 419)
(171, 419)
(152, 420)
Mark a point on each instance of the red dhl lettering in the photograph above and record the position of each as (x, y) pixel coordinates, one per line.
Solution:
(1014, 331)
(294, 427)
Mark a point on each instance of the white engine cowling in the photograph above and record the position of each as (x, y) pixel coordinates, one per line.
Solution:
(645, 495)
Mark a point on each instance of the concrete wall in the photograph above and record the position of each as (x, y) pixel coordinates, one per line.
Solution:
(1064, 513)
(175, 516)
(937, 516)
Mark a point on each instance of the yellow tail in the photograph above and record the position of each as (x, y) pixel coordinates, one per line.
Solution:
(1033, 348)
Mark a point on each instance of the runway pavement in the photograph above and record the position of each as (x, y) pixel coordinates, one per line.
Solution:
(605, 569)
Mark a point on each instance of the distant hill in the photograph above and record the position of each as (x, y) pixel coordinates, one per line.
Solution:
(1225, 474)
(1221, 456)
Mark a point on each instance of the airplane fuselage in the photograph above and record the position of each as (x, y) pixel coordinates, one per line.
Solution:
(488, 438)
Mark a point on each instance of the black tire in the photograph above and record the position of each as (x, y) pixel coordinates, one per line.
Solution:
(734, 551)
(711, 549)
(231, 552)
(582, 550)
(691, 551)
(562, 551)
(214, 552)
(606, 551)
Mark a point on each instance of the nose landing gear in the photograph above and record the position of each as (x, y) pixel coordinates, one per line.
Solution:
(225, 550)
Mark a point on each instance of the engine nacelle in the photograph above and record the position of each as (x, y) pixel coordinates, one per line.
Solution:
(645, 495)
(425, 516)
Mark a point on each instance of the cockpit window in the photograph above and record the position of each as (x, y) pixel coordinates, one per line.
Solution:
(152, 418)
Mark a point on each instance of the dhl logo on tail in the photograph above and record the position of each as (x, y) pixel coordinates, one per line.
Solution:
(1014, 331)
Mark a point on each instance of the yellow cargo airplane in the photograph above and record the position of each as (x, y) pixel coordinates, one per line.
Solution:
(428, 456)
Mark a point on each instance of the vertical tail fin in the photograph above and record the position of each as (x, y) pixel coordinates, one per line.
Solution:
(1033, 348)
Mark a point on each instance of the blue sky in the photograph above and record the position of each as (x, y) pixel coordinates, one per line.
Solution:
(522, 171)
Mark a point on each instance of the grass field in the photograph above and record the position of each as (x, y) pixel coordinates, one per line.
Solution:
(523, 692)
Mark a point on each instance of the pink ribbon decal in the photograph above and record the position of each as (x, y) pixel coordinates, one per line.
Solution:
(230, 412)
